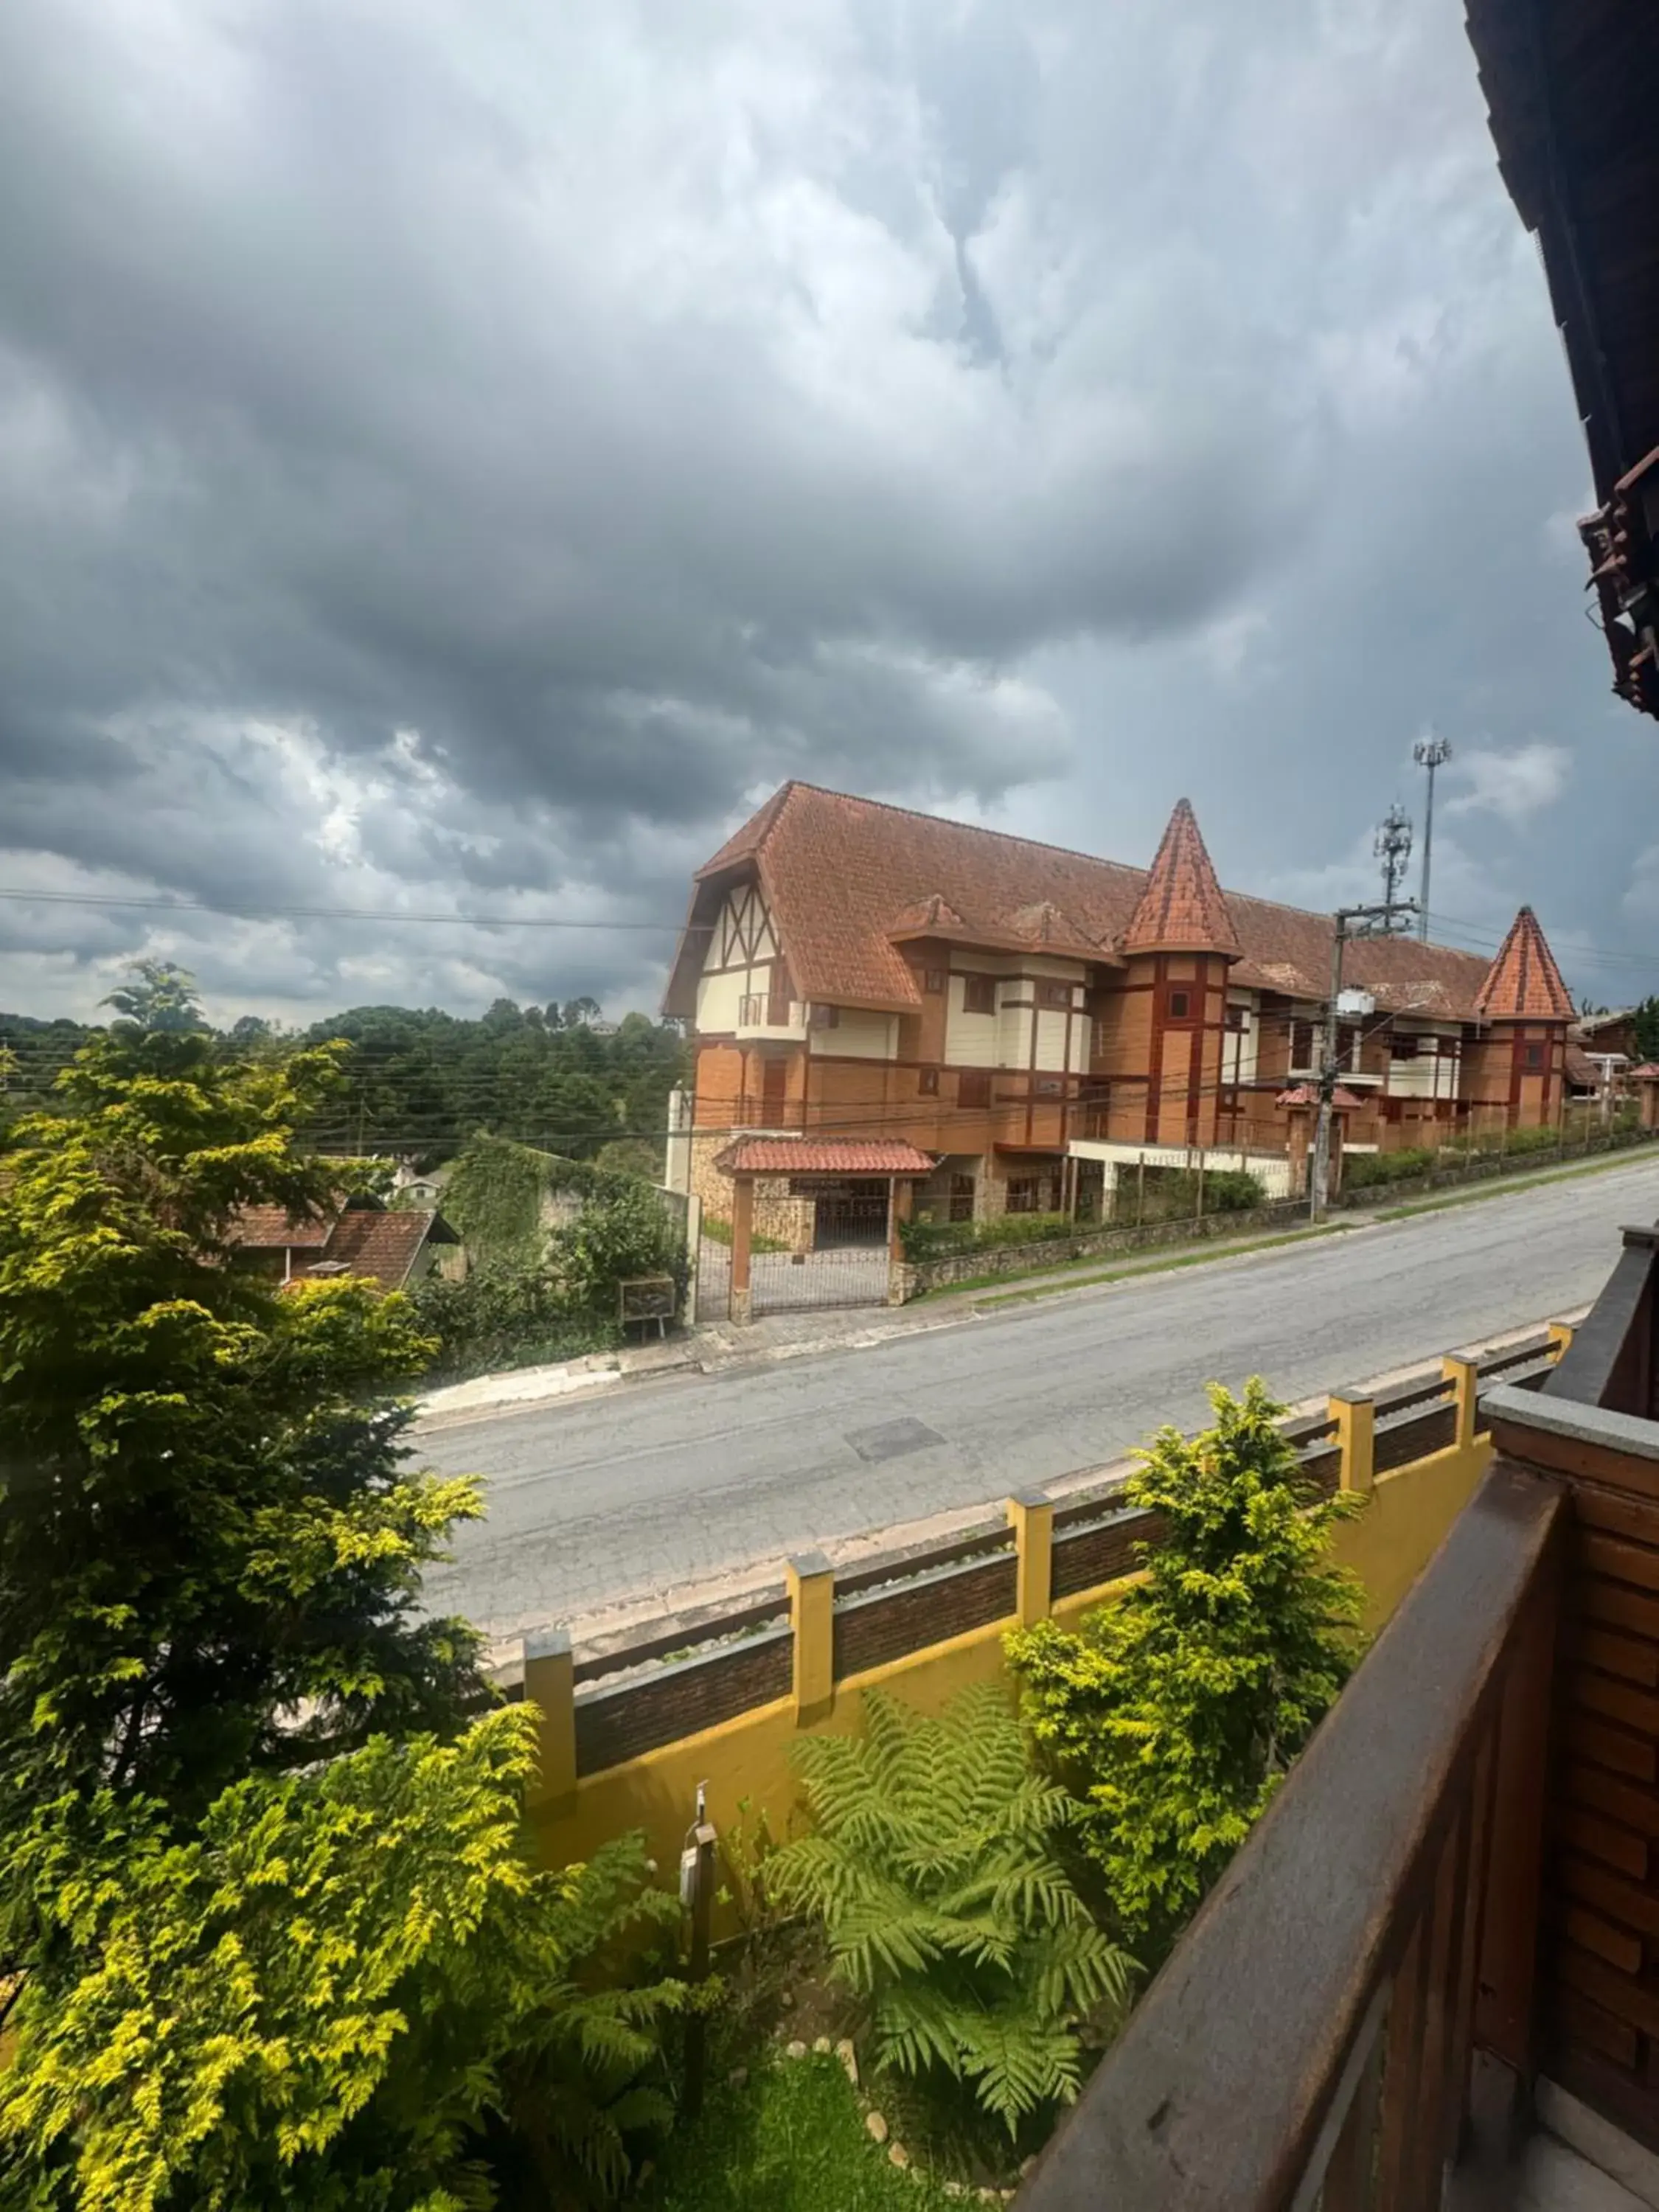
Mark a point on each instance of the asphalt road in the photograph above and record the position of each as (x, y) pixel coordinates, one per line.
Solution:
(656, 1487)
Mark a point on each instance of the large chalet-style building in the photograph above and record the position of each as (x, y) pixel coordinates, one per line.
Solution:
(1036, 1020)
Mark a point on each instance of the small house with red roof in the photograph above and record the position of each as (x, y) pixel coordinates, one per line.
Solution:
(391, 1247)
(1034, 1019)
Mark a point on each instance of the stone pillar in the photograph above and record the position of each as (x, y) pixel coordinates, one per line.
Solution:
(549, 1685)
(1355, 1415)
(1464, 1376)
(811, 1583)
(1031, 1517)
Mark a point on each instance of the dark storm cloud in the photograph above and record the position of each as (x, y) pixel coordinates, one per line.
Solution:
(453, 457)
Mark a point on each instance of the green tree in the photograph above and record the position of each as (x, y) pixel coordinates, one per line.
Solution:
(269, 1932)
(947, 1914)
(1646, 1027)
(1175, 1712)
(205, 1525)
(160, 999)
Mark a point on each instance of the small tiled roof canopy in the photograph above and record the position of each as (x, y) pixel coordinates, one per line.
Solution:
(1307, 1094)
(1523, 984)
(844, 1156)
(849, 881)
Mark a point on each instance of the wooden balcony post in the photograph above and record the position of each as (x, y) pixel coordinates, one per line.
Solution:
(1031, 1517)
(1355, 1415)
(1464, 1376)
(549, 1685)
(812, 1581)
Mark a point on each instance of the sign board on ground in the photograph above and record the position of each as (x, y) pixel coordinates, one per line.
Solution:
(647, 1297)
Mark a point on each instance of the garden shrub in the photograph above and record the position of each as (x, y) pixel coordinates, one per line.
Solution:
(1366, 1170)
(948, 1915)
(348, 1988)
(623, 1230)
(1174, 1712)
(505, 1313)
(940, 1240)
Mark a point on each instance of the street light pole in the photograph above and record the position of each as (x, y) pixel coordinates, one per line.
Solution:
(1350, 922)
(1319, 1182)
(1430, 753)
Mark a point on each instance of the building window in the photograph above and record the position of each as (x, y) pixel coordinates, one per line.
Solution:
(1302, 1044)
(1533, 1056)
(1050, 1086)
(1180, 1005)
(961, 1198)
(1022, 1193)
(927, 1083)
(826, 1018)
(1404, 1047)
(974, 1087)
(933, 982)
(1238, 1019)
(979, 994)
(1057, 995)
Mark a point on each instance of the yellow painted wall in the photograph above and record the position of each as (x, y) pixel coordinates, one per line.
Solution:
(1388, 1546)
(1402, 1527)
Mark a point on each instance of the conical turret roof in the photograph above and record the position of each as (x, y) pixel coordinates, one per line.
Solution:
(1181, 909)
(1523, 984)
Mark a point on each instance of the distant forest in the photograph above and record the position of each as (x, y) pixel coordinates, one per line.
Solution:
(420, 1083)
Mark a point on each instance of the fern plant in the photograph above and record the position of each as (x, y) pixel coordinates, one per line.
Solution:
(947, 1912)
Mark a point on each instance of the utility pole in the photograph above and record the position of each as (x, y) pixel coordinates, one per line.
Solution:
(1430, 753)
(1350, 922)
(1394, 848)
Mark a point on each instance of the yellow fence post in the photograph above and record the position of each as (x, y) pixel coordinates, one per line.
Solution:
(1355, 1415)
(549, 1685)
(812, 1616)
(1464, 1376)
(1031, 1517)
(1561, 1336)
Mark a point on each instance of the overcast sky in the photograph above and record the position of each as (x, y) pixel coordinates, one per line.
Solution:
(457, 455)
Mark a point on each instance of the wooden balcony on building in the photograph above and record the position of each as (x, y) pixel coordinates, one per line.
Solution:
(1430, 1977)
(771, 1015)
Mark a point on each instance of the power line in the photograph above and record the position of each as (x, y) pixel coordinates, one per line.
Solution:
(243, 910)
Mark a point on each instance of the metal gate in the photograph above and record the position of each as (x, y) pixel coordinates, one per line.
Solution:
(855, 1215)
(850, 1275)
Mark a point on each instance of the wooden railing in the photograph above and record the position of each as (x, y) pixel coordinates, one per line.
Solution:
(1612, 1361)
(1311, 2041)
(1455, 1893)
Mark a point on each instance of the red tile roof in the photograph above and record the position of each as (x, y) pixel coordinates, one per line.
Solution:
(363, 1239)
(1581, 1070)
(1181, 909)
(846, 1155)
(845, 877)
(273, 1229)
(1307, 1094)
(382, 1246)
(1524, 983)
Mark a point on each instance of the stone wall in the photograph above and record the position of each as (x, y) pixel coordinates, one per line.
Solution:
(786, 1221)
(1028, 1259)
